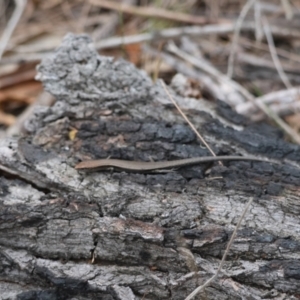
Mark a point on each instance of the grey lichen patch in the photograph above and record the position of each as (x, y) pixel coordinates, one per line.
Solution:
(20, 193)
(83, 81)
(70, 179)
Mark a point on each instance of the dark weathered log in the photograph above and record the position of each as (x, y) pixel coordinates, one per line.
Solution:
(66, 234)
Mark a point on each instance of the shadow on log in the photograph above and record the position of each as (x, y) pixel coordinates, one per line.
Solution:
(108, 235)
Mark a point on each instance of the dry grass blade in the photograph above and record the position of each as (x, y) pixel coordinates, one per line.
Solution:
(166, 34)
(200, 288)
(287, 9)
(20, 5)
(284, 53)
(222, 78)
(284, 126)
(274, 55)
(237, 30)
(153, 12)
(187, 120)
(284, 100)
(257, 16)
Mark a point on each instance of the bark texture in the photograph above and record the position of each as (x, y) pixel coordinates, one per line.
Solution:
(107, 235)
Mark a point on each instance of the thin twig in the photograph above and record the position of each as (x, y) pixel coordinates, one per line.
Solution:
(186, 118)
(284, 53)
(291, 132)
(18, 58)
(263, 62)
(283, 98)
(281, 102)
(169, 33)
(206, 81)
(84, 15)
(166, 34)
(153, 12)
(257, 16)
(200, 288)
(228, 86)
(222, 78)
(274, 55)
(12, 23)
(109, 27)
(236, 35)
(287, 9)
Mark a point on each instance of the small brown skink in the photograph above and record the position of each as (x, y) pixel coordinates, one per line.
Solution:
(147, 167)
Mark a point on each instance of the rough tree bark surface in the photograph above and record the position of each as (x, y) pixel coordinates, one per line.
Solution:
(108, 235)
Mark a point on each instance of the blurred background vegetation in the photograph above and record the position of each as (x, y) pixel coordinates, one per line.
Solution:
(246, 53)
